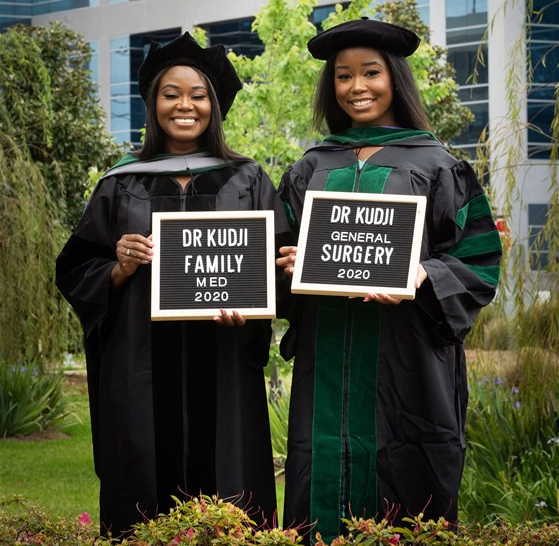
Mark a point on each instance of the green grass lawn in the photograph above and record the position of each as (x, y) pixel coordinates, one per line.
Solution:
(54, 472)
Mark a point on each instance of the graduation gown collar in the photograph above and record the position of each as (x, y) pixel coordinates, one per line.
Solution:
(193, 163)
(379, 136)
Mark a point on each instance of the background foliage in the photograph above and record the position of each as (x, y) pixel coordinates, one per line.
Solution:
(34, 320)
(51, 135)
(271, 118)
(50, 107)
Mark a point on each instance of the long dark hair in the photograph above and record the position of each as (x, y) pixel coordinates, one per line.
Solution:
(406, 104)
(213, 137)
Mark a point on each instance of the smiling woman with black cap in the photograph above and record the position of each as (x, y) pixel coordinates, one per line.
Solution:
(177, 407)
(379, 392)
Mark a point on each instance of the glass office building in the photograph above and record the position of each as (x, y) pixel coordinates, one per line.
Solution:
(120, 31)
(466, 24)
(23, 11)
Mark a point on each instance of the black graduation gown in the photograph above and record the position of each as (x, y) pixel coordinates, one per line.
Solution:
(177, 407)
(379, 392)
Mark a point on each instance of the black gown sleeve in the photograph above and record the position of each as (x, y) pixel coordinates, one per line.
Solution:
(292, 190)
(266, 197)
(464, 253)
(83, 267)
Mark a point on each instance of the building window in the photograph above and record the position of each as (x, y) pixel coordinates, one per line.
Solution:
(467, 13)
(423, 10)
(93, 65)
(320, 13)
(538, 245)
(236, 35)
(13, 12)
(466, 23)
(127, 107)
(543, 55)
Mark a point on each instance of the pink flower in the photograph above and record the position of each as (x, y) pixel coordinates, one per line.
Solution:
(84, 519)
(395, 539)
(183, 537)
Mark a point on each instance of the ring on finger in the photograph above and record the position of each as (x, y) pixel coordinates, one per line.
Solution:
(128, 252)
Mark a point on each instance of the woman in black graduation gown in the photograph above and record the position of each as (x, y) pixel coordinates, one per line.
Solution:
(379, 390)
(177, 407)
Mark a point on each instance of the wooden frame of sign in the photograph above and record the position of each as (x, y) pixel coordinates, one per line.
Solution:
(207, 261)
(353, 244)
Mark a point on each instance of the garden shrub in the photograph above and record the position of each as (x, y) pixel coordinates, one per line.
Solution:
(499, 334)
(539, 324)
(533, 325)
(208, 521)
(278, 410)
(477, 338)
(31, 400)
(513, 444)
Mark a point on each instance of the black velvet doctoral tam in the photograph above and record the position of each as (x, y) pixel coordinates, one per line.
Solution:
(366, 33)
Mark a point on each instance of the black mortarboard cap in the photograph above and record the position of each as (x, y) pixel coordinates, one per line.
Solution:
(184, 50)
(364, 32)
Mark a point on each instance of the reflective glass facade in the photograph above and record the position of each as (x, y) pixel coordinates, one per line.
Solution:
(236, 35)
(543, 67)
(466, 23)
(127, 108)
(94, 61)
(539, 247)
(21, 11)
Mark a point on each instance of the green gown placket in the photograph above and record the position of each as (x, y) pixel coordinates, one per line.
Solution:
(345, 396)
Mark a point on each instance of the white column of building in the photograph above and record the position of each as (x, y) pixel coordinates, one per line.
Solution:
(508, 78)
(437, 22)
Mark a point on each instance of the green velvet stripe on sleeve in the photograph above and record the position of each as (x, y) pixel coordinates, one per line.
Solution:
(490, 273)
(476, 208)
(476, 245)
(289, 213)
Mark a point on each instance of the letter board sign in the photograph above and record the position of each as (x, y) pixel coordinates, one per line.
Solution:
(352, 244)
(207, 261)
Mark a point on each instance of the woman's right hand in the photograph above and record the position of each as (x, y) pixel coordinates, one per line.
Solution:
(132, 250)
(286, 262)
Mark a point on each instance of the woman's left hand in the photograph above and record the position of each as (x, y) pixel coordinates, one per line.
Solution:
(394, 300)
(235, 319)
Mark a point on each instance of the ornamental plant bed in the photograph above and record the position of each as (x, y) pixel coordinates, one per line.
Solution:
(207, 521)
